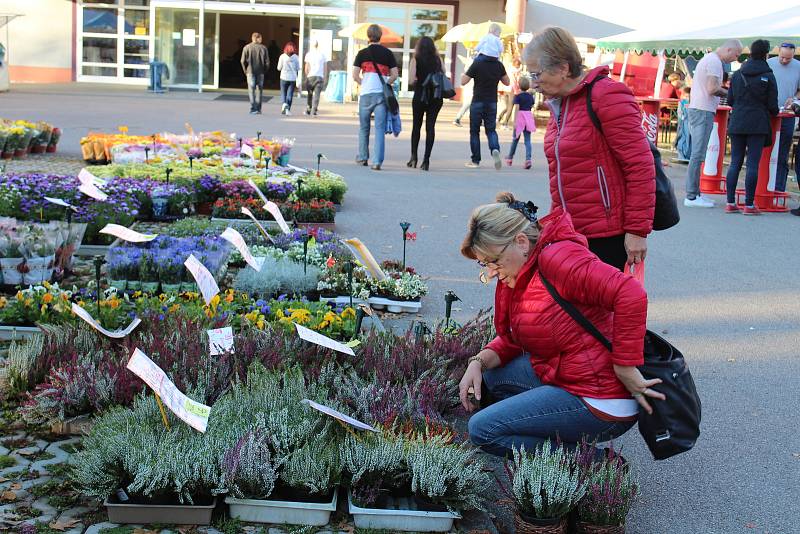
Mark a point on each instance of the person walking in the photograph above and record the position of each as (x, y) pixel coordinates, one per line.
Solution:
(507, 94)
(373, 66)
(255, 64)
(703, 102)
(466, 92)
(787, 75)
(289, 67)
(486, 73)
(524, 123)
(604, 177)
(753, 95)
(315, 68)
(427, 101)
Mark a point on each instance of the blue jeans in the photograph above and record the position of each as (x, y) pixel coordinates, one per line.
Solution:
(529, 413)
(787, 130)
(367, 105)
(485, 112)
(700, 125)
(515, 142)
(255, 85)
(753, 145)
(287, 92)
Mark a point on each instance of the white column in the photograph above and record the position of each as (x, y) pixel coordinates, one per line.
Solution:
(201, 45)
(301, 49)
(662, 63)
(624, 66)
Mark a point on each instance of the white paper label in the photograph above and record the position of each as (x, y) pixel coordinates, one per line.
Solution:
(323, 341)
(276, 212)
(189, 35)
(327, 410)
(297, 169)
(59, 202)
(193, 413)
(116, 334)
(220, 340)
(92, 191)
(362, 253)
(205, 281)
(236, 239)
(247, 150)
(86, 177)
(249, 213)
(258, 191)
(126, 234)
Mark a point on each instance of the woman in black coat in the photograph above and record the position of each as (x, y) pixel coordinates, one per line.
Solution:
(753, 95)
(427, 101)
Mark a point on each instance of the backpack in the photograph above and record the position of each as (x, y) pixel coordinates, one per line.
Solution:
(666, 213)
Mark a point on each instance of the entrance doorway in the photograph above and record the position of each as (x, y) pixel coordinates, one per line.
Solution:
(234, 33)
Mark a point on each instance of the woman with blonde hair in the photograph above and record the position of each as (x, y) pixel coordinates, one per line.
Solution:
(601, 168)
(550, 378)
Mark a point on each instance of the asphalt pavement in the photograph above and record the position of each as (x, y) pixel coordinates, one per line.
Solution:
(723, 288)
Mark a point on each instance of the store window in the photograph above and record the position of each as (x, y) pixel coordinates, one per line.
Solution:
(114, 41)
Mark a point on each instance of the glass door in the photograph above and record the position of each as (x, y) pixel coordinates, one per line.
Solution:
(177, 43)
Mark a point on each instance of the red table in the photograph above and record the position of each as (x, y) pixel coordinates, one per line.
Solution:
(712, 181)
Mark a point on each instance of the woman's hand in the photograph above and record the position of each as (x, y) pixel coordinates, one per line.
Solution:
(636, 247)
(473, 378)
(634, 382)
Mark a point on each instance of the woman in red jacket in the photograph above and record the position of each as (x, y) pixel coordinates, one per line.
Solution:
(552, 378)
(604, 178)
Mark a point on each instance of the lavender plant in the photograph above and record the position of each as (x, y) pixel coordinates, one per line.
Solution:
(248, 469)
(610, 493)
(376, 464)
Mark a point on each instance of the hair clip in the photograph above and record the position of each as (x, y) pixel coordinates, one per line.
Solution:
(528, 209)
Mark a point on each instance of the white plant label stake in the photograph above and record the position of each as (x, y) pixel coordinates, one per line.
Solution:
(249, 213)
(205, 281)
(327, 410)
(236, 239)
(258, 191)
(126, 234)
(220, 340)
(276, 212)
(322, 341)
(87, 177)
(116, 334)
(59, 202)
(91, 190)
(191, 412)
(247, 150)
(360, 251)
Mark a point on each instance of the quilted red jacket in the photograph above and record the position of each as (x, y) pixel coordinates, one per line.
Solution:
(563, 354)
(605, 180)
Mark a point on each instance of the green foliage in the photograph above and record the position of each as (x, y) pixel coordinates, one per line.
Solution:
(7, 461)
(277, 276)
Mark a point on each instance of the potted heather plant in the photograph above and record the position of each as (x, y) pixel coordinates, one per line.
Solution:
(546, 486)
(609, 495)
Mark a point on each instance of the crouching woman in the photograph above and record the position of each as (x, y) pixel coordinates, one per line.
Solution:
(547, 376)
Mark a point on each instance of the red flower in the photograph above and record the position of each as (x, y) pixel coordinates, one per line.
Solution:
(330, 262)
(411, 236)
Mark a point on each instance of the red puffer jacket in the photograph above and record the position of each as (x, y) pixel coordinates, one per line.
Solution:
(563, 354)
(606, 181)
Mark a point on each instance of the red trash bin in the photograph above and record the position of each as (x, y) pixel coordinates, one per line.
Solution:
(767, 199)
(650, 112)
(712, 181)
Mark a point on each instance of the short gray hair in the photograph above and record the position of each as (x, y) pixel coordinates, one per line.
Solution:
(553, 47)
(495, 28)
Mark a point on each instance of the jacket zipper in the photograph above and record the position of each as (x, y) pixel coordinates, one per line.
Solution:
(563, 116)
(604, 194)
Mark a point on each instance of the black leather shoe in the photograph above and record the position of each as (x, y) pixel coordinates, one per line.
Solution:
(425, 164)
(376, 167)
(412, 163)
(361, 162)
(795, 211)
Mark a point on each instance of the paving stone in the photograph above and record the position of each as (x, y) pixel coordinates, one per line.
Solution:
(59, 456)
(95, 529)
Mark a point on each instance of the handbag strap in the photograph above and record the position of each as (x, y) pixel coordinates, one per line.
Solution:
(575, 313)
(377, 70)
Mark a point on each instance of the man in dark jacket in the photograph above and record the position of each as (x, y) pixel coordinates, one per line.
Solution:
(753, 95)
(255, 63)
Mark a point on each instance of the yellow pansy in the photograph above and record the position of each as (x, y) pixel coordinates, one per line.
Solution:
(348, 313)
(260, 324)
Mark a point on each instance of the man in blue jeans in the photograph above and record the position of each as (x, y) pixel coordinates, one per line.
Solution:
(787, 74)
(373, 66)
(486, 75)
(255, 63)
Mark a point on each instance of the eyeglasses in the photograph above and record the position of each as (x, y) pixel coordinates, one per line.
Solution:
(535, 75)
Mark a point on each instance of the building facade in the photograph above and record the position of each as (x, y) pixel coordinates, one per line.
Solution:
(200, 41)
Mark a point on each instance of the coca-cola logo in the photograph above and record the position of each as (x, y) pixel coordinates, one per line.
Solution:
(650, 126)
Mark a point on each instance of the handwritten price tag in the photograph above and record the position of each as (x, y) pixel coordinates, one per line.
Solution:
(126, 234)
(116, 334)
(191, 412)
(327, 410)
(276, 212)
(323, 341)
(220, 340)
(205, 281)
(236, 239)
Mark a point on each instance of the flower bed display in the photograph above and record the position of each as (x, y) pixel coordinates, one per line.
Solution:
(19, 138)
(316, 211)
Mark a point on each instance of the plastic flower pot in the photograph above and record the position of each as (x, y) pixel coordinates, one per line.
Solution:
(119, 285)
(20, 153)
(171, 288)
(189, 287)
(283, 161)
(401, 515)
(11, 276)
(150, 287)
(282, 512)
(134, 285)
(159, 513)
(160, 207)
(7, 154)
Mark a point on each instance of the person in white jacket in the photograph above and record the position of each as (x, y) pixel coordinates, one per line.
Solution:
(289, 67)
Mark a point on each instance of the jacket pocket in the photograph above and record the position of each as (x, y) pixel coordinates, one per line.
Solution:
(602, 184)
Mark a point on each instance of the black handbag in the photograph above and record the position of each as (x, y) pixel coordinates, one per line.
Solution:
(388, 93)
(666, 213)
(674, 425)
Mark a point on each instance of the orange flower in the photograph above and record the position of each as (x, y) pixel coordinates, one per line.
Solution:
(47, 298)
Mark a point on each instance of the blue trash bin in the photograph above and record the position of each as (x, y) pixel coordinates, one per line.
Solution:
(337, 82)
(158, 70)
